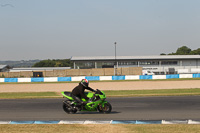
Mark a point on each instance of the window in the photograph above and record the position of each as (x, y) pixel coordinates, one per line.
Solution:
(149, 62)
(85, 65)
(127, 63)
(169, 62)
(105, 64)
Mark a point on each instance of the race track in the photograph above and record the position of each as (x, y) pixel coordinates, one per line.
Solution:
(139, 108)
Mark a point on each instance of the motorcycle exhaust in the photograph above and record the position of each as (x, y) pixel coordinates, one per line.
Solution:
(65, 102)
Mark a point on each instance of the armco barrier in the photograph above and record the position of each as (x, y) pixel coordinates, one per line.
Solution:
(2, 80)
(105, 78)
(196, 75)
(99, 78)
(77, 78)
(11, 80)
(172, 76)
(92, 78)
(51, 79)
(159, 76)
(61, 79)
(146, 77)
(185, 75)
(24, 79)
(37, 79)
(118, 77)
(132, 77)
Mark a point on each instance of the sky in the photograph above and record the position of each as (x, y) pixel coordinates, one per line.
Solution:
(60, 29)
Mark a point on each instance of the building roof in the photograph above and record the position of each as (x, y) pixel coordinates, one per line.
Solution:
(3, 66)
(38, 69)
(156, 57)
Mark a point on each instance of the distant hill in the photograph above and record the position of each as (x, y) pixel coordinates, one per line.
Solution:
(22, 63)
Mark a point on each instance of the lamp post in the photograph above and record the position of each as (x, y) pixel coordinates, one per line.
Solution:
(115, 64)
(115, 51)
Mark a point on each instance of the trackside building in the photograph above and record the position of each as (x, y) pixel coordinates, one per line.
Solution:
(4, 68)
(162, 64)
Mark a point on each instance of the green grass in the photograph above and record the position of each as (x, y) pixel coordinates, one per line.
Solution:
(113, 93)
(143, 93)
(22, 95)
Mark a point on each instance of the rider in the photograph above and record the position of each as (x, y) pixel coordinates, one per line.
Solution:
(78, 92)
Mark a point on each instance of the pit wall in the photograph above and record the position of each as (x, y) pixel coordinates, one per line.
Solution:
(100, 78)
(76, 72)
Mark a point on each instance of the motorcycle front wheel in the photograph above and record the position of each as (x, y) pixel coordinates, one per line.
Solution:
(106, 109)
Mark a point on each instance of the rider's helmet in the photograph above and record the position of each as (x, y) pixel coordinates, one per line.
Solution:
(85, 82)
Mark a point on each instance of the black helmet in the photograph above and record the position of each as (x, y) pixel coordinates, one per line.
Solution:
(85, 82)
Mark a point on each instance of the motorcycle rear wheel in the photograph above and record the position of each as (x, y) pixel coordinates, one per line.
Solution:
(69, 109)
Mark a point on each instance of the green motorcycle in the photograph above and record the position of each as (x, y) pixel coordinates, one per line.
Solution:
(97, 103)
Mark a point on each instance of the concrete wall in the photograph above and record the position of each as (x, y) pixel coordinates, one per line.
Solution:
(48, 74)
(59, 73)
(3, 74)
(98, 72)
(109, 71)
(85, 72)
(77, 72)
(72, 72)
(26, 74)
(15, 74)
(135, 71)
(125, 71)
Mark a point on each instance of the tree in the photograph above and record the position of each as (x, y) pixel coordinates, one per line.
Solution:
(184, 50)
(195, 52)
(45, 63)
(172, 53)
(54, 63)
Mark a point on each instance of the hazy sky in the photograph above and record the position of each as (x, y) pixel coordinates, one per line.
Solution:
(59, 29)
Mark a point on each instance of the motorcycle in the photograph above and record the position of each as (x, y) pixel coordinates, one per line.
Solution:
(97, 103)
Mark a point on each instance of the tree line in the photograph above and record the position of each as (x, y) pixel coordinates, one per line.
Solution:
(54, 63)
(184, 50)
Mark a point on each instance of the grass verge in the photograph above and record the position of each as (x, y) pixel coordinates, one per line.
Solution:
(23, 95)
(100, 128)
(113, 93)
(144, 93)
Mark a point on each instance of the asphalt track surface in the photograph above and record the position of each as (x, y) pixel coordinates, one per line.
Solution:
(131, 108)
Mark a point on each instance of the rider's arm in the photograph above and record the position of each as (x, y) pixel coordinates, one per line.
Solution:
(90, 89)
